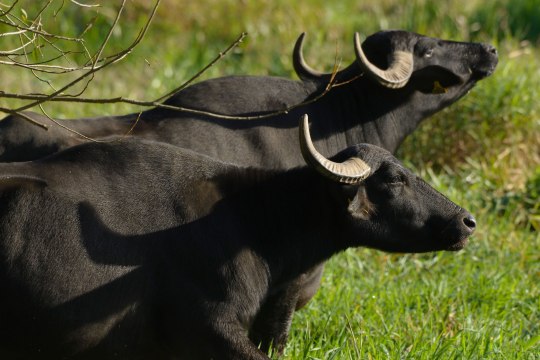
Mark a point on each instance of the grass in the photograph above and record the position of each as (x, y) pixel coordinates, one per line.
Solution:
(483, 152)
(481, 303)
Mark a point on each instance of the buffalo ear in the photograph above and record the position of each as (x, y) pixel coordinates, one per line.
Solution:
(360, 207)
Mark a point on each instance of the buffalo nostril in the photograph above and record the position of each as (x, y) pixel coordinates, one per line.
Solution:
(491, 49)
(470, 222)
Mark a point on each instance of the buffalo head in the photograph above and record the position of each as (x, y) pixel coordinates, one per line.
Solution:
(387, 206)
(396, 58)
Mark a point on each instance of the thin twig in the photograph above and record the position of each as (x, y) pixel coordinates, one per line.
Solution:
(94, 70)
(13, 33)
(22, 47)
(85, 5)
(204, 69)
(40, 97)
(66, 127)
(38, 15)
(6, 12)
(126, 134)
(25, 117)
(109, 34)
(39, 32)
(91, 67)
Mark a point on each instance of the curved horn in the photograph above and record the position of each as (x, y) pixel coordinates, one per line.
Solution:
(303, 70)
(352, 171)
(399, 70)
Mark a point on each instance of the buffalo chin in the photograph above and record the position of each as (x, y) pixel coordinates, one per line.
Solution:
(420, 248)
(458, 245)
(425, 79)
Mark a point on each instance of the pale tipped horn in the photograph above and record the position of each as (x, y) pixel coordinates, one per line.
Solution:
(303, 70)
(399, 70)
(352, 171)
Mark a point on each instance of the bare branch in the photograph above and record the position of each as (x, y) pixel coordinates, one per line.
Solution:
(65, 127)
(23, 46)
(97, 62)
(24, 116)
(85, 5)
(9, 10)
(204, 69)
(97, 56)
(12, 33)
(50, 69)
(331, 84)
(78, 99)
(40, 98)
(39, 32)
(93, 70)
(88, 138)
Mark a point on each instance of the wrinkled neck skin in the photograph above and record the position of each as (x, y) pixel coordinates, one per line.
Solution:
(357, 111)
(363, 111)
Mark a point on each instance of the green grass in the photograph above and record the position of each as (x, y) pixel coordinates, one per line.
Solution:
(480, 303)
(483, 152)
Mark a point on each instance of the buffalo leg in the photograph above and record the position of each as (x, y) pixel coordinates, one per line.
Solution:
(232, 343)
(311, 281)
(272, 324)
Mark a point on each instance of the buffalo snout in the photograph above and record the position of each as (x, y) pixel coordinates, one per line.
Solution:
(458, 231)
(469, 221)
(486, 61)
(490, 49)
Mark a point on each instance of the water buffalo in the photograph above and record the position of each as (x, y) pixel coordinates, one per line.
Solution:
(143, 250)
(398, 79)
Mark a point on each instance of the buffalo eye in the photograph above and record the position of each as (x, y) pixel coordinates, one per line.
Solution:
(389, 187)
(396, 180)
(394, 184)
(428, 53)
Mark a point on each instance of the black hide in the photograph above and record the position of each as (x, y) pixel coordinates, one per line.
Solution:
(142, 250)
(360, 110)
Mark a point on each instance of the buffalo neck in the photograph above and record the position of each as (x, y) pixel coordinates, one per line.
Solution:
(291, 217)
(362, 111)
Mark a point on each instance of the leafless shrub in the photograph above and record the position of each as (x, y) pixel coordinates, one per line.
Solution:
(29, 44)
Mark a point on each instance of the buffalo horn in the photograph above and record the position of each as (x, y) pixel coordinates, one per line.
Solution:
(352, 171)
(399, 70)
(303, 70)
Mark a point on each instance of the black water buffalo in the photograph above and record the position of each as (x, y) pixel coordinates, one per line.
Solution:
(422, 76)
(143, 250)
(399, 79)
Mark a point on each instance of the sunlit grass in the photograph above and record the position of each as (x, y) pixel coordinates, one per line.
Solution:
(481, 303)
